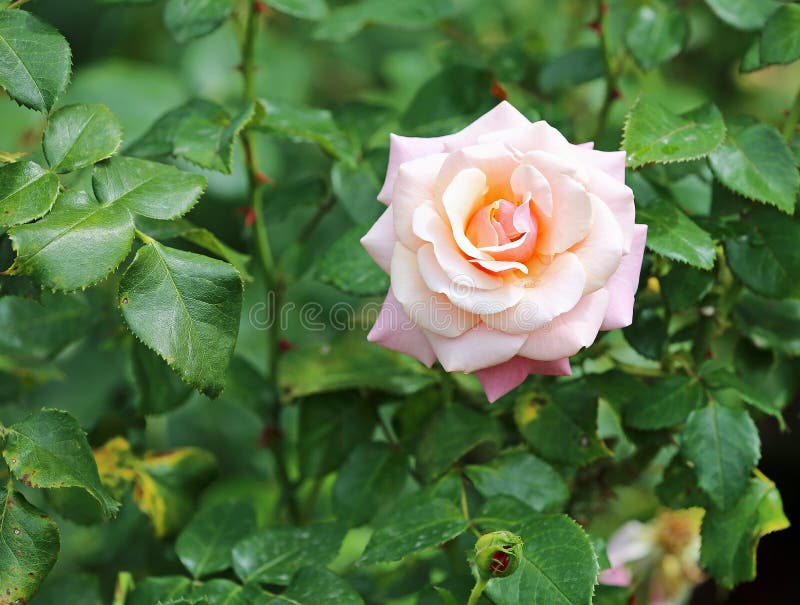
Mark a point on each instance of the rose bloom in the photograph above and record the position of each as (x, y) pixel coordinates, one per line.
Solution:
(508, 249)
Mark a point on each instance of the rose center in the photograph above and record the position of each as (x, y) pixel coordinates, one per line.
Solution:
(504, 230)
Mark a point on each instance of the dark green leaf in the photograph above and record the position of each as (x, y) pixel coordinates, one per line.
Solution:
(49, 449)
(154, 589)
(648, 333)
(147, 188)
(755, 162)
(225, 592)
(575, 67)
(769, 323)
(302, 9)
(81, 135)
(780, 40)
(205, 545)
(357, 190)
(347, 266)
(29, 546)
(35, 60)
(187, 19)
(684, 285)
(159, 389)
(78, 244)
(655, 134)
(27, 192)
(673, 234)
(678, 487)
(665, 404)
(274, 555)
(315, 586)
(743, 14)
(42, 328)
(723, 445)
(724, 379)
(186, 308)
(72, 589)
(656, 35)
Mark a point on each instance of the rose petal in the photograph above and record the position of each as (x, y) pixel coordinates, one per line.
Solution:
(380, 239)
(610, 162)
(601, 251)
(619, 199)
(503, 116)
(482, 229)
(475, 349)
(394, 330)
(495, 161)
(402, 150)
(527, 180)
(569, 332)
(413, 188)
(623, 284)
(616, 576)
(502, 378)
(462, 198)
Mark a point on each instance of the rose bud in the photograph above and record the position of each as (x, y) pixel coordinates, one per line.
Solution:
(498, 554)
(508, 249)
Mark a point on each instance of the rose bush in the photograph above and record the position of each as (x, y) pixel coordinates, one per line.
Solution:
(508, 249)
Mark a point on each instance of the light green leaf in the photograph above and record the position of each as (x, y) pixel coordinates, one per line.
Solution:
(186, 308)
(559, 565)
(49, 449)
(780, 40)
(743, 14)
(27, 192)
(664, 404)
(522, 476)
(755, 162)
(302, 9)
(78, 244)
(188, 19)
(656, 34)
(205, 545)
(29, 546)
(766, 258)
(347, 266)
(671, 233)
(356, 189)
(723, 445)
(730, 537)
(415, 524)
(315, 586)
(35, 60)
(372, 478)
(655, 134)
(148, 188)
(274, 555)
(81, 135)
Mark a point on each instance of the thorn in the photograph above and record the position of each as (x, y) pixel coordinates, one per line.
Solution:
(249, 217)
(270, 435)
(498, 91)
(262, 178)
(604, 9)
(616, 94)
(261, 8)
(596, 26)
(285, 345)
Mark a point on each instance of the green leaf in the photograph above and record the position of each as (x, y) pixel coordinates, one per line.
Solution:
(81, 135)
(148, 188)
(347, 266)
(356, 189)
(684, 285)
(769, 323)
(656, 35)
(73, 589)
(205, 545)
(522, 476)
(188, 19)
(27, 192)
(372, 478)
(655, 134)
(730, 537)
(572, 68)
(417, 523)
(743, 14)
(154, 589)
(315, 586)
(159, 389)
(186, 308)
(723, 445)
(274, 555)
(671, 233)
(306, 124)
(780, 42)
(225, 592)
(648, 333)
(42, 328)
(35, 60)
(755, 162)
(78, 244)
(302, 9)
(665, 404)
(49, 449)
(208, 241)
(559, 565)
(29, 546)
(452, 433)
(765, 258)
(678, 487)
(721, 379)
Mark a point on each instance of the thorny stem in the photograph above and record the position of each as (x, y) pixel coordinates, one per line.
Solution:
(17, 4)
(610, 69)
(477, 591)
(791, 121)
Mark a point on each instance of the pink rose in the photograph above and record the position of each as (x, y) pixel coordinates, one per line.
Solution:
(508, 249)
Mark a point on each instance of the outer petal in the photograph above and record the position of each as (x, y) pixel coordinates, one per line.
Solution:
(413, 188)
(503, 116)
(380, 240)
(602, 250)
(610, 162)
(623, 284)
(618, 197)
(495, 161)
(431, 311)
(394, 330)
(568, 333)
(475, 349)
(405, 149)
(556, 290)
(502, 378)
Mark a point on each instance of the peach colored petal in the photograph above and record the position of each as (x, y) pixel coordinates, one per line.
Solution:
(618, 197)
(623, 284)
(481, 229)
(430, 310)
(405, 149)
(502, 116)
(462, 198)
(586, 145)
(380, 240)
(394, 330)
(610, 162)
(601, 251)
(521, 249)
(495, 161)
(475, 349)
(554, 289)
(502, 378)
(570, 332)
(413, 188)
(527, 181)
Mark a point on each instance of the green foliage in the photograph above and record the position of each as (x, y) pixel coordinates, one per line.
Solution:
(187, 19)
(347, 266)
(656, 35)
(27, 192)
(779, 40)
(81, 135)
